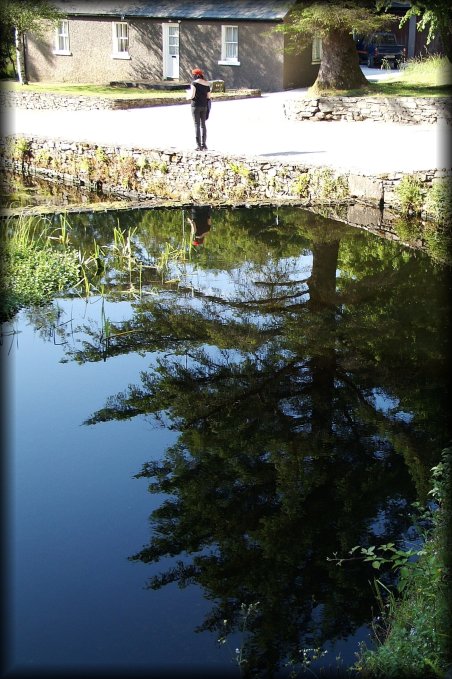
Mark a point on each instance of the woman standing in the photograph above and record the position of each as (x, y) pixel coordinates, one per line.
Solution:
(199, 93)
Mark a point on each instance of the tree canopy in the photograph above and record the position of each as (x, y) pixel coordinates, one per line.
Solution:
(436, 17)
(19, 17)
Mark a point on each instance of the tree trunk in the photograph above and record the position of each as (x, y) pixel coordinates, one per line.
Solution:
(20, 57)
(339, 68)
(323, 303)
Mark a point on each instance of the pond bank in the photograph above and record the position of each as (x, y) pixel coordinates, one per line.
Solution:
(193, 177)
(375, 220)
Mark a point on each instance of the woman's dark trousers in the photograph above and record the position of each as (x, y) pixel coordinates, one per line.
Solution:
(199, 118)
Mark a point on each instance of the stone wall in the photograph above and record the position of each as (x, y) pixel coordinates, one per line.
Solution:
(200, 177)
(380, 109)
(40, 101)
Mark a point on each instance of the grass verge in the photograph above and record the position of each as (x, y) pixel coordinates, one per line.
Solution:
(87, 90)
(110, 92)
(422, 77)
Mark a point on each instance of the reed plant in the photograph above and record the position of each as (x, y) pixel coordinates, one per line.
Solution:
(40, 259)
(32, 269)
(173, 256)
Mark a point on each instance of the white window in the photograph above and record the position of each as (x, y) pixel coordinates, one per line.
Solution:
(173, 40)
(121, 40)
(62, 37)
(230, 45)
(317, 51)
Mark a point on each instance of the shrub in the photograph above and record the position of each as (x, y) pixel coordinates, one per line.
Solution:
(300, 187)
(438, 202)
(325, 186)
(411, 195)
(415, 621)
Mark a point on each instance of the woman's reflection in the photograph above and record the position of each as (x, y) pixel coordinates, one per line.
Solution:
(200, 222)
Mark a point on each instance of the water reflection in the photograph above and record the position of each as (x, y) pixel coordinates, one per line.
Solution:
(303, 366)
(21, 189)
(200, 221)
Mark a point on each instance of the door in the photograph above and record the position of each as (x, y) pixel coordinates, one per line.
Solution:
(171, 51)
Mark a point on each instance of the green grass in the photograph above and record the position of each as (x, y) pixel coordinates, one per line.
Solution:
(401, 89)
(33, 270)
(93, 90)
(435, 70)
(87, 90)
(38, 261)
(421, 77)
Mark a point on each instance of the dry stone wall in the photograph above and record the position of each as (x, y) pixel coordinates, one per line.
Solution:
(70, 102)
(200, 176)
(45, 102)
(412, 110)
(381, 109)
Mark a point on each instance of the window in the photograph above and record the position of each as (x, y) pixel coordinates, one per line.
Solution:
(229, 45)
(317, 51)
(173, 40)
(121, 40)
(62, 37)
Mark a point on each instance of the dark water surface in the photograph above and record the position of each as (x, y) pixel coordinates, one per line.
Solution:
(281, 391)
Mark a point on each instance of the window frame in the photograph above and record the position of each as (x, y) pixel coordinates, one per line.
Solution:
(120, 54)
(225, 60)
(316, 50)
(62, 32)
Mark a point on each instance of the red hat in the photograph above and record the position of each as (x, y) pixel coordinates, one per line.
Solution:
(197, 71)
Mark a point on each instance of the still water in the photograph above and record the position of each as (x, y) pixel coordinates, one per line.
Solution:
(192, 446)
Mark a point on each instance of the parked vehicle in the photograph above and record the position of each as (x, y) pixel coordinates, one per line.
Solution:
(380, 47)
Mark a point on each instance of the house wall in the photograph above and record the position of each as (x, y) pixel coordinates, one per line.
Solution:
(263, 63)
(91, 59)
(260, 54)
(299, 71)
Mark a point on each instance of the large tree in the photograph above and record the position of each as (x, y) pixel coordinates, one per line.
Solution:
(19, 17)
(335, 23)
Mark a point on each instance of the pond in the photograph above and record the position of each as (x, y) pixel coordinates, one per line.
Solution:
(194, 446)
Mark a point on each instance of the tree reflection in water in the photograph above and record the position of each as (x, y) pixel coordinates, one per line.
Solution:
(310, 399)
